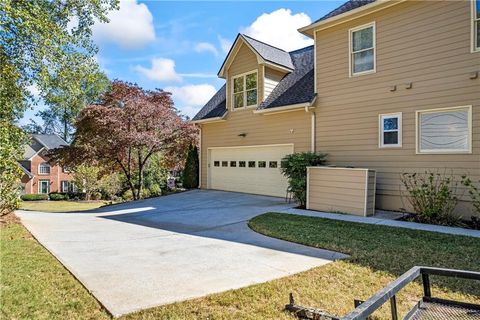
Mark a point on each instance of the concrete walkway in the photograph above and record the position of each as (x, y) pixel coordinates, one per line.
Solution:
(386, 222)
(162, 250)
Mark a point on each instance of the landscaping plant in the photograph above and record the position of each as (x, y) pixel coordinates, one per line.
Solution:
(294, 167)
(57, 196)
(433, 196)
(190, 173)
(34, 197)
(474, 193)
(86, 178)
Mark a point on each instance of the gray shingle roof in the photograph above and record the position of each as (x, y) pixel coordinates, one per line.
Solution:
(347, 6)
(50, 141)
(215, 107)
(297, 86)
(270, 53)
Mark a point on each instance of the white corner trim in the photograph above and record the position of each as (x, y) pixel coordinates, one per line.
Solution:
(200, 157)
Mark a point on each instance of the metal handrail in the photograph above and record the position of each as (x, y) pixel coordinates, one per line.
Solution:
(388, 293)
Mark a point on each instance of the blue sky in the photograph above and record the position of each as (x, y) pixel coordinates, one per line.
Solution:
(179, 46)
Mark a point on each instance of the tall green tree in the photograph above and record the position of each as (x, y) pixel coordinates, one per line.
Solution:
(39, 39)
(190, 173)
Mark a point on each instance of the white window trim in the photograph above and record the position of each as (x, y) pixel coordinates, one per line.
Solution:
(439, 151)
(350, 50)
(397, 115)
(474, 48)
(68, 186)
(232, 103)
(40, 186)
(44, 174)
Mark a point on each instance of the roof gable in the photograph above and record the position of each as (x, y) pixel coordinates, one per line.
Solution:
(265, 53)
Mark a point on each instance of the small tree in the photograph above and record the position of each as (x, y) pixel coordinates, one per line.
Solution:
(86, 178)
(190, 173)
(111, 185)
(294, 167)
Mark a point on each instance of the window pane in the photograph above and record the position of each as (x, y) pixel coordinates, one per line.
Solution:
(251, 164)
(446, 130)
(224, 163)
(262, 164)
(216, 163)
(272, 164)
(390, 124)
(362, 39)
(363, 61)
(478, 8)
(252, 97)
(238, 97)
(241, 164)
(238, 84)
(251, 81)
(390, 137)
(233, 163)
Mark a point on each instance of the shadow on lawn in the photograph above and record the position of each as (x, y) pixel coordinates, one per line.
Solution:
(388, 249)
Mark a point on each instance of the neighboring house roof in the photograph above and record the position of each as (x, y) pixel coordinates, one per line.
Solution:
(215, 107)
(42, 141)
(50, 141)
(270, 53)
(297, 86)
(347, 6)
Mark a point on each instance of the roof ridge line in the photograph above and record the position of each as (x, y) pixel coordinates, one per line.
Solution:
(267, 44)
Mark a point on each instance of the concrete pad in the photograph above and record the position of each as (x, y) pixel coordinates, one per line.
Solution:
(158, 251)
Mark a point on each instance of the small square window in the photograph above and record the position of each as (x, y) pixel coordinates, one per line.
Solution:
(233, 164)
(241, 164)
(224, 163)
(216, 163)
(262, 164)
(390, 130)
(273, 164)
(251, 164)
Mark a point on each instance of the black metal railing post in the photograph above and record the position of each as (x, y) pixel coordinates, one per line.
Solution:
(393, 307)
(426, 285)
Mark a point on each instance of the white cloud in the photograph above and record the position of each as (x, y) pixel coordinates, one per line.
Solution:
(161, 70)
(279, 28)
(206, 47)
(129, 27)
(225, 44)
(190, 98)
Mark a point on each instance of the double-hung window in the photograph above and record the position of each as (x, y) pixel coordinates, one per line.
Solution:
(245, 90)
(362, 49)
(475, 25)
(447, 130)
(44, 168)
(390, 130)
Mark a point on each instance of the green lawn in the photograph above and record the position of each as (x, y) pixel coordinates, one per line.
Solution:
(61, 206)
(34, 285)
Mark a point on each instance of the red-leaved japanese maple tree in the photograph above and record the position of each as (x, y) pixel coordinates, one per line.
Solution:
(126, 128)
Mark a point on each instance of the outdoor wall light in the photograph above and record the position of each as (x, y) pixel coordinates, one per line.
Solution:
(243, 135)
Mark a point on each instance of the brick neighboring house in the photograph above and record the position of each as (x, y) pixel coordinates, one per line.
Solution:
(40, 175)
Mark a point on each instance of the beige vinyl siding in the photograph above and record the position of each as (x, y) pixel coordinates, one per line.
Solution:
(272, 78)
(341, 190)
(245, 61)
(426, 43)
(292, 127)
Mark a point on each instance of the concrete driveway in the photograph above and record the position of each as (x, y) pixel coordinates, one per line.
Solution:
(162, 250)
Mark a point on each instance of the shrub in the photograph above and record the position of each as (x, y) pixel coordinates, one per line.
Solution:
(433, 196)
(110, 185)
(294, 167)
(155, 190)
(474, 193)
(127, 195)
(145, 193)
(34, 197)
(96, 195)
(76, 196)
(190, 173)
(57, 196)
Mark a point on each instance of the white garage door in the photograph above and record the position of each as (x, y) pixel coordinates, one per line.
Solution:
(253, 169)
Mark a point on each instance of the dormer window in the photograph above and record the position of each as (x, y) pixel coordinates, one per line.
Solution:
(245, 90)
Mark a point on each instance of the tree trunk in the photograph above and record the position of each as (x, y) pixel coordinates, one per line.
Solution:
(140, 175)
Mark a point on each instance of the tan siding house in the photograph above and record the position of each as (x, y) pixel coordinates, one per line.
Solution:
(392, 86)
